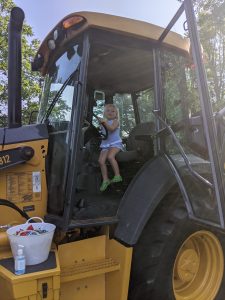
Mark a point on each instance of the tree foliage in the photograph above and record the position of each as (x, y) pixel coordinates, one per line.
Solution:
(211, 21)
(211, 25)
(30, 81)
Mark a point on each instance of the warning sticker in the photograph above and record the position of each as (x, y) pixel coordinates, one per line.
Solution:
(36, 182)
(23, 187)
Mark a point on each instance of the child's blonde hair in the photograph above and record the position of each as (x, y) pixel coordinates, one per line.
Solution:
(113, 106)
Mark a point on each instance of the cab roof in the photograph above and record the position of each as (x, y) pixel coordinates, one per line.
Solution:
(122, 25)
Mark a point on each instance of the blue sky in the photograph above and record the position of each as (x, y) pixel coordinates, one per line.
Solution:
(43, 15)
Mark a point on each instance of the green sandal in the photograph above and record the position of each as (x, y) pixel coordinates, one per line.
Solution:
(116, 179)
(104, 185)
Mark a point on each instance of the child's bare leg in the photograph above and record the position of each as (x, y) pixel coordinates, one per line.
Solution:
(111, 157)
(102, 160)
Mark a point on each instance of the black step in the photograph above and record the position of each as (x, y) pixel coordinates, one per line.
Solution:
(92, 222)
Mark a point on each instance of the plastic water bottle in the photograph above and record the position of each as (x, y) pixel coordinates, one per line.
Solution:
(20, 262)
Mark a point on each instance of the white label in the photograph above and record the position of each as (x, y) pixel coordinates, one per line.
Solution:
(36, 177)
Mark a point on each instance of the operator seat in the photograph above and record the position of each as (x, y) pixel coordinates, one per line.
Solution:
(139, 144)
(139, 149)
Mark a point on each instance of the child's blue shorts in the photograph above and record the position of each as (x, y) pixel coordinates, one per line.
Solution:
(118, 145)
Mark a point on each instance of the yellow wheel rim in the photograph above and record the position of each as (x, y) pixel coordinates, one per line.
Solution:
(198, 268)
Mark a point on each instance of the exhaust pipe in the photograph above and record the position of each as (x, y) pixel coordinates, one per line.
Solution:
(14, 67)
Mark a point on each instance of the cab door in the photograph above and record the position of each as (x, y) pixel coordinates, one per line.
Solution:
(189, 140)
(62, 111)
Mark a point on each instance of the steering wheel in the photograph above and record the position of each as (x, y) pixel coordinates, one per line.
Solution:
(94, 131)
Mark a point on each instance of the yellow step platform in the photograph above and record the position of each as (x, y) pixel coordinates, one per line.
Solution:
(92, 269)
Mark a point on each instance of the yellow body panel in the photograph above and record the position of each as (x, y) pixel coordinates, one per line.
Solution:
(29, 286)
(91, 269)
(96, 268)
(86, 289)
(118, 281)
(17, 185)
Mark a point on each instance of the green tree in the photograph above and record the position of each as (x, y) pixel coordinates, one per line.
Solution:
(30, 81)
(211, 25)
(211, 21)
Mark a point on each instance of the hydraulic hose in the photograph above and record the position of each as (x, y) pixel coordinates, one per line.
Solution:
(5, 202)
(3, 235)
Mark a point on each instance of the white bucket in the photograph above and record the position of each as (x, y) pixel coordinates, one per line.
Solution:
(36, 247)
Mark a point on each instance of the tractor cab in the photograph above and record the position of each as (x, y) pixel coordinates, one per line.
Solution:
(118, 72)
(88, 60)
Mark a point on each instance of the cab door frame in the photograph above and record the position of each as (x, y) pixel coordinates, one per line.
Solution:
(206, 108)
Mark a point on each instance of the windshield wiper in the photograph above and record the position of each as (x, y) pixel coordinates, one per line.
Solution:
(57, 96)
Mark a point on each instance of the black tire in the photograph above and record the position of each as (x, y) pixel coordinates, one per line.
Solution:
(154, 254)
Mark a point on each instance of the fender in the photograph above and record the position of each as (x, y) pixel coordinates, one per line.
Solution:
(146, 191)
(23, 134)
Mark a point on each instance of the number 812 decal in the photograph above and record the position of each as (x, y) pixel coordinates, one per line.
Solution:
(5, 159)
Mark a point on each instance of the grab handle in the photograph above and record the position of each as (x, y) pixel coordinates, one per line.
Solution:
(28, 221)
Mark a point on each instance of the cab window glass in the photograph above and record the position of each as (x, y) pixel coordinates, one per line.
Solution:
(56, 86)
(145, 103)
(126, 112)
